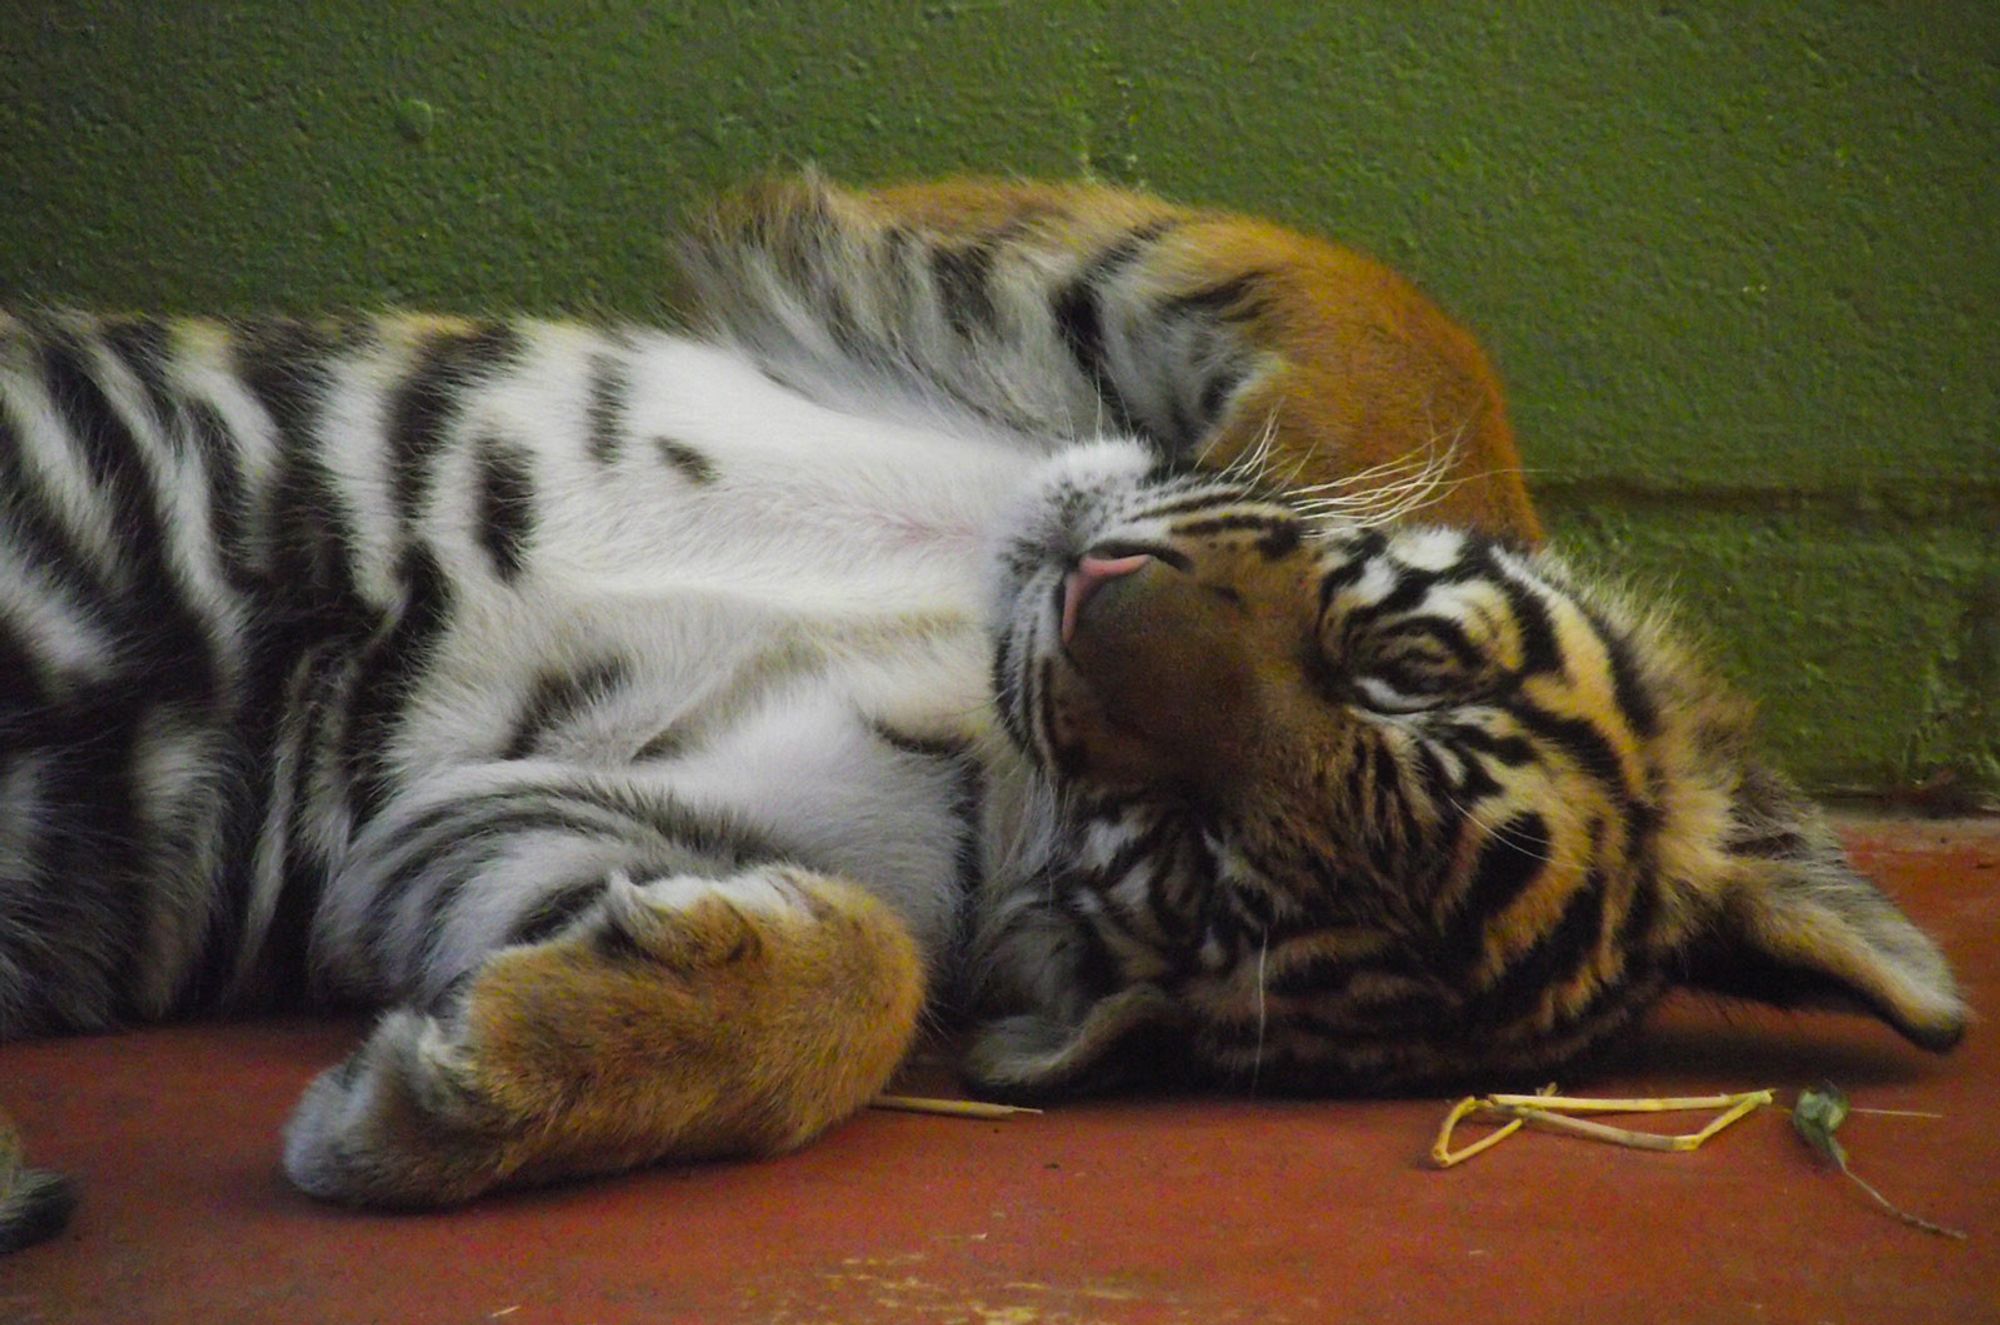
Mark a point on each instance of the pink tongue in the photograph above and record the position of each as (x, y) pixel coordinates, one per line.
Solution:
(1089, 576)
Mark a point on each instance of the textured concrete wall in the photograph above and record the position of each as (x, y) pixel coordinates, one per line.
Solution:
(1737, 261)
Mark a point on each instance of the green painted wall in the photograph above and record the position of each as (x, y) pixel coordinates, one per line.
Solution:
(1738, 262)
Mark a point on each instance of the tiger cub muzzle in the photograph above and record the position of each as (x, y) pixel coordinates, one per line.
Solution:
(1186, 665)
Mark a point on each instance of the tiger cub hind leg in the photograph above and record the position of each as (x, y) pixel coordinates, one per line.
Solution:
(686, 1018)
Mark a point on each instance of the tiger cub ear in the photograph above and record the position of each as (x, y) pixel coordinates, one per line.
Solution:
(1792, 923)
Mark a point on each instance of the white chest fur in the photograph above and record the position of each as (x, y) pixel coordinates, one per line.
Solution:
(772, 585)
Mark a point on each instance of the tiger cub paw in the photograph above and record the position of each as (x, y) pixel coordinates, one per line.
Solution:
(686, 1018)
(401, 1122)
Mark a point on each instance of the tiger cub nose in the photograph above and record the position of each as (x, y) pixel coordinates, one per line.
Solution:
(1090, 575)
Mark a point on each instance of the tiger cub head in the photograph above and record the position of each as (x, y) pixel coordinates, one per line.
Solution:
(1361, 809)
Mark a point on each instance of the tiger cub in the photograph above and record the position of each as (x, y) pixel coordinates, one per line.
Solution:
(1005, 602)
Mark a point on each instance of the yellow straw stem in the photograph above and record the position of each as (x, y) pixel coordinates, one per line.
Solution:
(947, 1108)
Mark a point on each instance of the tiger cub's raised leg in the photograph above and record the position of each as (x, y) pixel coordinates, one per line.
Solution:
(1073, 308)
(681, 1018)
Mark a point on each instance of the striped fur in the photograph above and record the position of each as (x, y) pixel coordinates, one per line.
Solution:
(653, 722)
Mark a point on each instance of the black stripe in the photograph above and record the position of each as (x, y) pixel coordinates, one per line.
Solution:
(1316, 973)
(553, 911)
(228, 503)
(446, 891)
(695, 467)
(1148, 844)
(1006, 687)
(1551, 962)
(668, 743)
(1208, 498)
(1410, 590)
(505, 513)
(923, 747)
(1250, 908)
(1539, 652)
(1412, 1012)
(95, 425)
(141, 344)
(1276, 532)
(1079, 318)
(556, 698)
(962, 276)
(387, 673)
(90, 853)
(421, 409)
(1448, 635)
(1197, 873)
(284, 676)
(1633, 700)
(1359, 781)
(1096, 970)
(1511, 858)
(1643, 821)
(281, 958)
(306, 614)
(615, 944)
(1349, 572)
(1160, 899)
(153, 609)
(286, 366)
(1388, 826)
(1215, 394)
(1513, 751)
(1237, 299)
(34, 525)
(641, 819)
(1281, 541)
(609, 387)
(1582, 741)
(1435, 783)
(23, 700)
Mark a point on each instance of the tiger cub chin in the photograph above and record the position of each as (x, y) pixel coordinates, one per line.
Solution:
(1001, 605)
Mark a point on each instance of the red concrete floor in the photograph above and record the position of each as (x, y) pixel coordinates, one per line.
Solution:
(1121, 1211)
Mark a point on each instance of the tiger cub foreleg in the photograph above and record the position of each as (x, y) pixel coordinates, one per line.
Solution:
(681, 1018)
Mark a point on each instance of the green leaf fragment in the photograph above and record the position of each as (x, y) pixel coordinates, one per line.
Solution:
(1819, 1112)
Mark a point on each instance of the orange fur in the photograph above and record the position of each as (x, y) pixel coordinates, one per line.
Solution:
(696, 1032)
(1369, 371)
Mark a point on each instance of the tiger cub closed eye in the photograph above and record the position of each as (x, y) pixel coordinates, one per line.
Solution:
(1005, 590)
